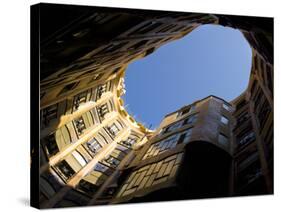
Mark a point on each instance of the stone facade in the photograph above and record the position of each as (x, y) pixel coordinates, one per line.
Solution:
(93, 152)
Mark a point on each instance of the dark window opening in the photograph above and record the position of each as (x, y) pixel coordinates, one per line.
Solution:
(139, 44)
(146, 28)
(87, 188)
(68, 87)
(241, 104)
(269, 78)
(166, 28)
(242, 118)
(65, 171)
(50, 145)
(249, 174)
(187, 110)
(263, 114)
(246, 138)
(48, 114)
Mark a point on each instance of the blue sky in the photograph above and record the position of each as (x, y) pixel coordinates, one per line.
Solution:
(210, 60)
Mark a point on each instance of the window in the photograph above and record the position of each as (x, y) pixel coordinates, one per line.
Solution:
(139, 44)
(50, 145)
(246, 139)
(224, 120)
(100, 90)
(112, 47)
(79, 158)
(129, 142)
(166, 28)
(172, 127)
(269, 78)
(243, 118)
(103, 169)
(80, 99)
(226, 107)
(93, 145)
(100, 167)
(162, 146)
(249, 169)
(49, 113)
(113, 130)
(69, 87)
(66, 172)
(146, 28)
(95, 77)
(241, 104)
(102, 110)
(87, 187)
(187, 110)
(112, 161)
(185, 136)
(263, 114)
(42, 95)
(80, 125)
(190, 119)
(223, 140)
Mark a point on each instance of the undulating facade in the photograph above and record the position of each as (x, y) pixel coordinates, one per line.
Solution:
(93, 152)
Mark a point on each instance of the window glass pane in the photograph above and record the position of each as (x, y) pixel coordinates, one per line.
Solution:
(113, 130)
(80, 125)
(93, 145)
(187, 135)
(224, 120)
(161, 146)
(102, 110)
(226, 107)
(79, 158)
(50, 145)
(64, 170)
(223, 140)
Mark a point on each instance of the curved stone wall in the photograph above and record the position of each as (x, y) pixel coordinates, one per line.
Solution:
(88, 140)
